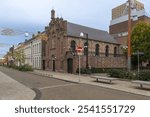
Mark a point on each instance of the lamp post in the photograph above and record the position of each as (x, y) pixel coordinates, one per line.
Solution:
(12, 53)
(82, 34)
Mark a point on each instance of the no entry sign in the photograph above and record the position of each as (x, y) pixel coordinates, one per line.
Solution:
(79, 50)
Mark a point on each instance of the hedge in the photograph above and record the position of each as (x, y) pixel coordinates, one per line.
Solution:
(25, 67)
(95, 70)
(143, 75)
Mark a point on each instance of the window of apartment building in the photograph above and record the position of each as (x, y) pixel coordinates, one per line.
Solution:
(33, 49)
(39, 62)
(97, 50)
(73, 45)
(85, 48)
(107, 51)
(39, 47)
(36, 48)
(115, 51)
(35, 62)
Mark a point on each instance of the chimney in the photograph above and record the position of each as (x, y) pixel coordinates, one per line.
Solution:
(52, 14)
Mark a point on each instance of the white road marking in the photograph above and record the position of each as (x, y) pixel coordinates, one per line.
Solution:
(56, 86)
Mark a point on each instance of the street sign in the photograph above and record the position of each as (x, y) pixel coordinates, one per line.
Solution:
(138, 53)
(79, 50)
(138, 57)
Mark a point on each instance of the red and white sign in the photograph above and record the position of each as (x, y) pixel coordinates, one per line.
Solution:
(79, 50)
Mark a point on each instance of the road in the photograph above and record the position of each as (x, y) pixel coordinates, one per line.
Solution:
(54, 89)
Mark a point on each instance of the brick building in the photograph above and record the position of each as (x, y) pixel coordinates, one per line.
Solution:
(59, 51)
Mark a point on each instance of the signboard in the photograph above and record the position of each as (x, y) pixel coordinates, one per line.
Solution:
(79, 50)
(138, 53)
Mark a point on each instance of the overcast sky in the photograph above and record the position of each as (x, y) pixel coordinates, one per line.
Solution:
(33, 15)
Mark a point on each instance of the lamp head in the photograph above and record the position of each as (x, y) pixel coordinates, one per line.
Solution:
(26, 34)
(81, 34)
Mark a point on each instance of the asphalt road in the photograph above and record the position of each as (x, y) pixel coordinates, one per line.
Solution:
(53, 89)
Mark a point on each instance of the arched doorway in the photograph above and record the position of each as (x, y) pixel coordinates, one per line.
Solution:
(70, 65)
(53, 65)
(43, 63)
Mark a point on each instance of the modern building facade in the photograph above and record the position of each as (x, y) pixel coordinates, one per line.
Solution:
(59, 50)
(122, 9)
(119, 24)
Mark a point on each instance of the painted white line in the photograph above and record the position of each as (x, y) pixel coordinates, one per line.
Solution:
(56, 86)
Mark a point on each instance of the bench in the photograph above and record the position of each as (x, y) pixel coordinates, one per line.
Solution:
(141, 83)
(103, 78)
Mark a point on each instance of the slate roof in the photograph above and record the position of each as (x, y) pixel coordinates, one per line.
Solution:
(95, 34)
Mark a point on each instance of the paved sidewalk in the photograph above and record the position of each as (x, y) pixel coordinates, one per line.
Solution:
(121, 85)
(12, 90)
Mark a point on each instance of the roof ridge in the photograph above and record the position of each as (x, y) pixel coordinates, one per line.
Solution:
(86, 26)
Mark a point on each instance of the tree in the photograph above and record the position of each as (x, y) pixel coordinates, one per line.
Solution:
(19, 57)
(140, 40)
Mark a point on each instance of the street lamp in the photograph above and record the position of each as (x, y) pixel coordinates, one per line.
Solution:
(12, 51)
(82, 34)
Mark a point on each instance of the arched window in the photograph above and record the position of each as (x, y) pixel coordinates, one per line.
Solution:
(97, 50)
(85, 48)
(107, 51)
(73, 46)
(115, 51)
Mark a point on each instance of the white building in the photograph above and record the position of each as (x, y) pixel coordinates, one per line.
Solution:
(37, 53)
(27, 52)
(33, 52)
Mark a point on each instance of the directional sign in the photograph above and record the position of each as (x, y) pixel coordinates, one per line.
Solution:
(138, 53)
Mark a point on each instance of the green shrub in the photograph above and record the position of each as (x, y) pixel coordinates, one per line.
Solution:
(118, 73)
(25, 68)
(12, 66)
(84, 71)
(144, 75)
(103, 70)
(97, 70)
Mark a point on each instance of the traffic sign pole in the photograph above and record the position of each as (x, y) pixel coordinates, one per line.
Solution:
(79, 51)
(79, 68)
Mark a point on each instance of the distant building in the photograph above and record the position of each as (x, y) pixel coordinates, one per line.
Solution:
(121, 10)
(119, 24)
(19, 54)
(2, 61)
(59, 50)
